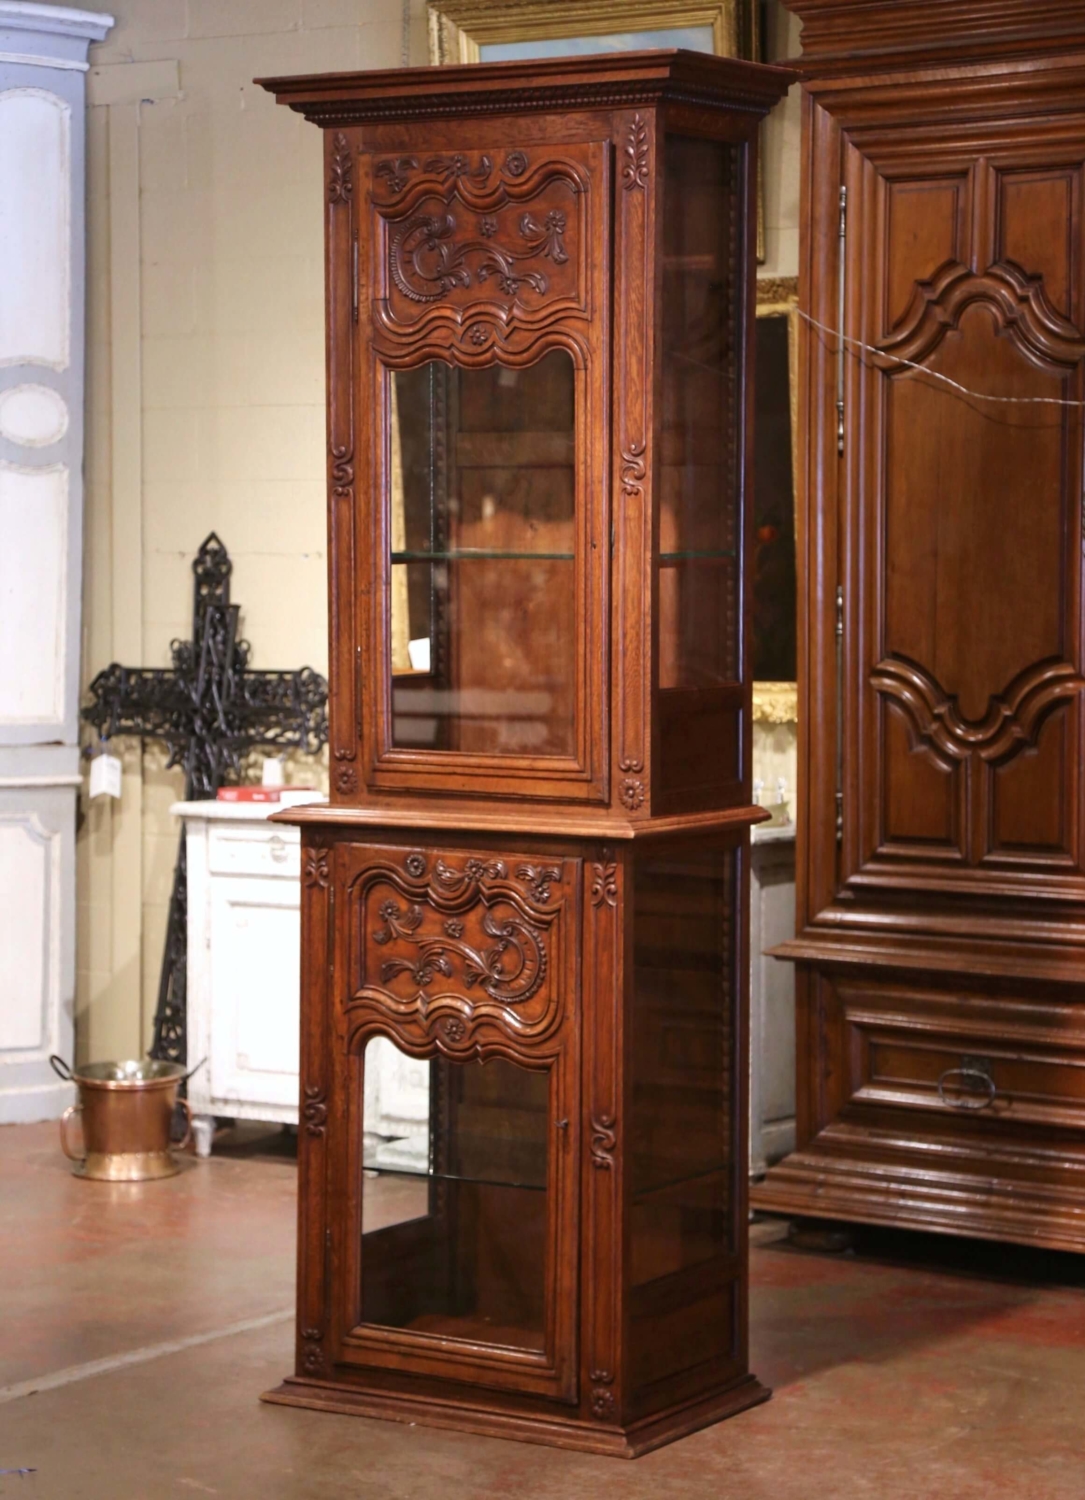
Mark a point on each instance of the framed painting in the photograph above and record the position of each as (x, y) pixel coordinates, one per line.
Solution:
(775, 615)
(469, 31)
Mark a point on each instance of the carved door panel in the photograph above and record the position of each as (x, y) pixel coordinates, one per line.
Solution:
(961, 516)
(462, 1251)
(482, 304)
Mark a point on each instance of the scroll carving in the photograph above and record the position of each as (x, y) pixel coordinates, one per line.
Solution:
(481, 247)
(603, 1141)
(447, 950)
(1013, 719)
(314, 1110)
(1018, 299)
(510, 969)
(316, 868)
(633, 471)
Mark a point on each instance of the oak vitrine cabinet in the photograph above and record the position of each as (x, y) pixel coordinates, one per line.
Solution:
(531, 882)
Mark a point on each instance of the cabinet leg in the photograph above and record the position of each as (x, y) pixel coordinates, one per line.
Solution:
(827, 1236)
(203, 1133)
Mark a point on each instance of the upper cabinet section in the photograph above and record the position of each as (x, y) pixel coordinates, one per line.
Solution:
(539, 303)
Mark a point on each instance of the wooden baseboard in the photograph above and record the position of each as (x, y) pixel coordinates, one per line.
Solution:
(630, 1442)
(812, 1184)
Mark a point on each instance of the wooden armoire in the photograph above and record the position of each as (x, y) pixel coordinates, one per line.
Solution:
(529, 894)
(941, 927)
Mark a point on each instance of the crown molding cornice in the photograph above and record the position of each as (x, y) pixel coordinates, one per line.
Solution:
(611, 81)
(860, 36)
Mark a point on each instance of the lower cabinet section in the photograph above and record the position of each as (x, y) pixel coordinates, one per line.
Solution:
(940, 1104)
(555, 1246)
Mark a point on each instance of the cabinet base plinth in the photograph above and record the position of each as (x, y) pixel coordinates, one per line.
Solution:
(807, 1184)
(629, 1442)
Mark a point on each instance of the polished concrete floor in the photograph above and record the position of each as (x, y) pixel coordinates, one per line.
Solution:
(139, 1324)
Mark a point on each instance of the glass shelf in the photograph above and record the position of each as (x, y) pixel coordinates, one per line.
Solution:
(465, 554)
(400, 1169)
(696, 554)
(668, 1184)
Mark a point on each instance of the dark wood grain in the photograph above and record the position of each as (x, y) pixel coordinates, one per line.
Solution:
(947, 921)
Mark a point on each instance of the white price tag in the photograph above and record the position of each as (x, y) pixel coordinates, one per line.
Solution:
(105, 776)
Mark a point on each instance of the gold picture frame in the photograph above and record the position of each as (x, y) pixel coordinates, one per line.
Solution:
(778, 297)
(460, 29)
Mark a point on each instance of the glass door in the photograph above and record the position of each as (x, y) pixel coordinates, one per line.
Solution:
(482, 549)
(467, 1214)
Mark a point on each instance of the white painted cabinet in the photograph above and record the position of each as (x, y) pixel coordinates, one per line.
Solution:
(772, 998)
(43, 64)
(244, 960)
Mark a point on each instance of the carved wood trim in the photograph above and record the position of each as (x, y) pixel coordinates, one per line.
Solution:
(445, 232)
(1013, 719)
(632, 519)
(340, 251)
(1018, 299)
(464, 957)
(604, 1140)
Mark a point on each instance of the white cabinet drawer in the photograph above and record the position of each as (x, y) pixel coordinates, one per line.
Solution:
(259, 850)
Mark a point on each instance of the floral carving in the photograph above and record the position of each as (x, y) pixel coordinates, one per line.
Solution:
(314, 1110)
(516, 164)
(415, 864)
(478, 333)
(316, 868)
(510, 970)
(635, 168)
(453, 882)
(603, 1141)
(346, 779)
(427, 263)
(341, 179)
(451, 168)
(454, 1029)
(539, 878)
(632, 794)
(604, 885)
(312, 1353)
(394, 172)
(602, 1398)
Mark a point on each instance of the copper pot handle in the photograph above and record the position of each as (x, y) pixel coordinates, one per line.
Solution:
(73, 1109)
(186, 1139)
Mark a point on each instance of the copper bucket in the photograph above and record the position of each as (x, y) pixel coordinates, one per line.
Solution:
(126, 1110)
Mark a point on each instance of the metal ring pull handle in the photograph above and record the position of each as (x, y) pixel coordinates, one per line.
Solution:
(968, 1103)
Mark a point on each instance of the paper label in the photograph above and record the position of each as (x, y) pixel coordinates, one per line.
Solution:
(105, 776)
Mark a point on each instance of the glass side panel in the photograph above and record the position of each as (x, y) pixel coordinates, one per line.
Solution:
(683, 1071)
(699, 511)
(454, 1210)
(483, 580)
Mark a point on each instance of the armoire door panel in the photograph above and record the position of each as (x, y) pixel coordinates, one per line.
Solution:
(1038, 226)
(923, 791)
(926, 224)
(963, 512)
(1032, 797)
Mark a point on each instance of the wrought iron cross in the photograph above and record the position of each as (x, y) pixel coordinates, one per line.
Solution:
(212, 710)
